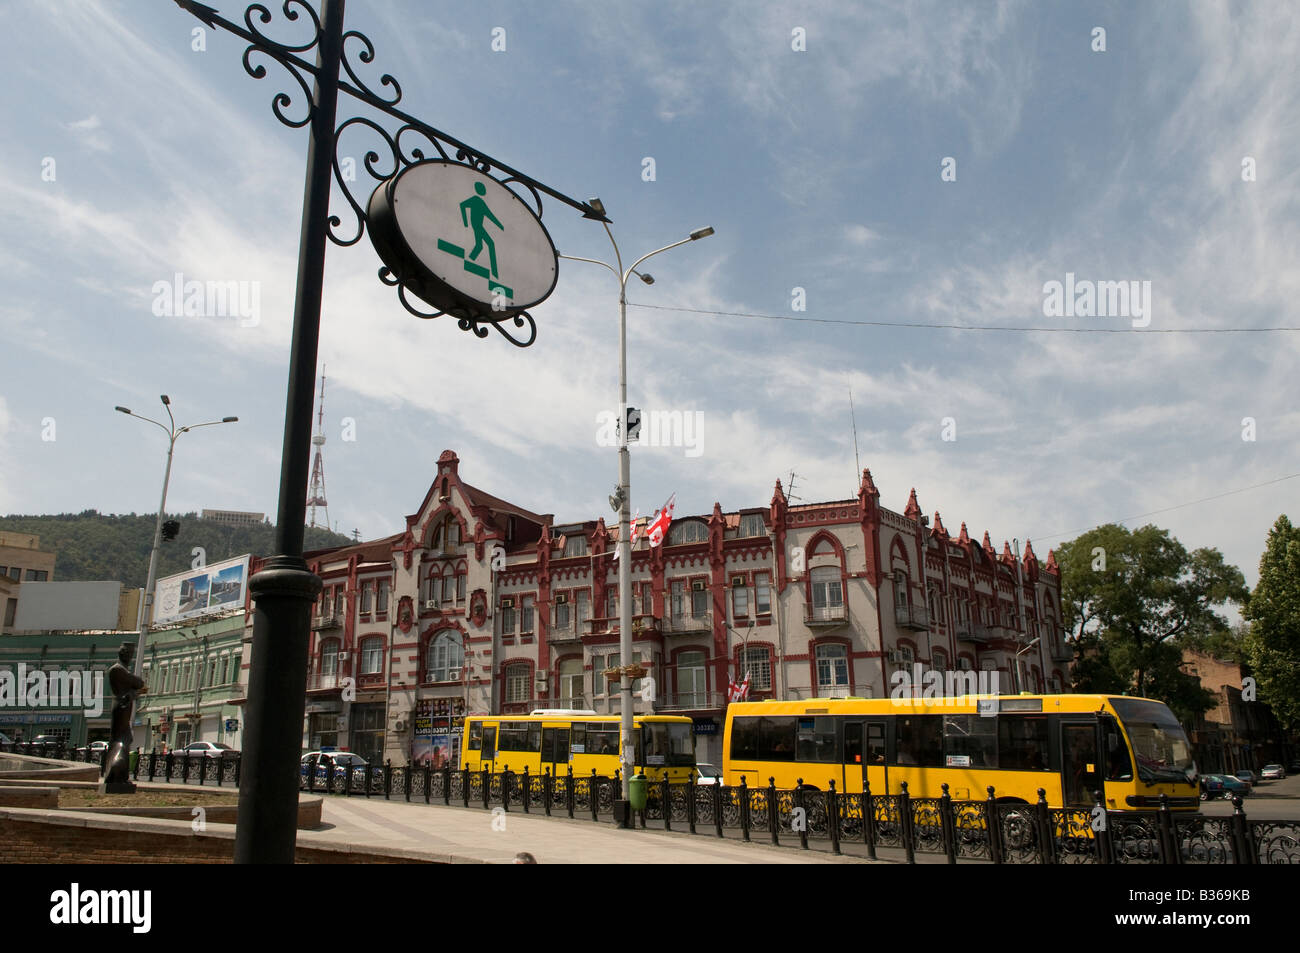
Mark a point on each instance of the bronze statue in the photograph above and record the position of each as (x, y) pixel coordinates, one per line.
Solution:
(125, 686)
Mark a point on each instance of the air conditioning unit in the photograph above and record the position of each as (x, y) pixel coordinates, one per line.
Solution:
(343, 656)
(453, 675)
(431, 603)
(737, 582)
(561, 598)
(400, 726)
(697, 585)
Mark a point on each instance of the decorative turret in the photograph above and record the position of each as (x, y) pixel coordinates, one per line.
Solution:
(913, 510)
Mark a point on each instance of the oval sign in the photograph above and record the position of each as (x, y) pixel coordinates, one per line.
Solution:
(461, 240)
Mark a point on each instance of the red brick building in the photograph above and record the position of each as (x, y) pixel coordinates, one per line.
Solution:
(481, 605)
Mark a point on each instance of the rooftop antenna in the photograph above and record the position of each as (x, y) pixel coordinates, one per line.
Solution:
(857, 474)
(789, 490)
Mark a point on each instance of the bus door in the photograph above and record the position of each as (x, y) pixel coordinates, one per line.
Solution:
(488, 753)
(864, 756)
(555, 750)
(1080, 762)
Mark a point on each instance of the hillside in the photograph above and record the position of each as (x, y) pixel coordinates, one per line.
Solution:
(95, 546)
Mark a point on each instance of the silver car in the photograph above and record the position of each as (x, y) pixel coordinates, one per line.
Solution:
(1272, 772)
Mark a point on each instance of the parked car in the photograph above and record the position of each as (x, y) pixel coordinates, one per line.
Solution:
(1246, 775)
(1222, 786)
(5, 739)
(707, 774)
(319, 763)
(98, 746)
(208, 749)
(52, 741)
(1272, 772)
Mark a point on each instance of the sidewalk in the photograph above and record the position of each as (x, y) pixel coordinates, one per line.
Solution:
(469, 835)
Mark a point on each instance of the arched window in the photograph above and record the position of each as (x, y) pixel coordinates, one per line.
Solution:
(688, 531)
(445, 658)
(827, 593)
(372, 656)
(518, 687)
(939, 661)
(751, 524)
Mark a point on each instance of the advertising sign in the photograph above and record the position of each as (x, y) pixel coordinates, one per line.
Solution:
(461, 240)
(438, 725)
(198, 592)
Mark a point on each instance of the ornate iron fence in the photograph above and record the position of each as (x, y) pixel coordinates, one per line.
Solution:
(992, 830)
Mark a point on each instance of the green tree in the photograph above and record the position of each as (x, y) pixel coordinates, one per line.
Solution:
(1137, 597)
(1273, 643)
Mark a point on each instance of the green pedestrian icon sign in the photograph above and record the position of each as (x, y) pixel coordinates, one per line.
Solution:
(461, 240)
(473, 211)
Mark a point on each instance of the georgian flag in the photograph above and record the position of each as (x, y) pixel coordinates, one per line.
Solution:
(631, 536)
(658, 527)
(738, 693)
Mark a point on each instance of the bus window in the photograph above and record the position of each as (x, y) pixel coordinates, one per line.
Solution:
(970, 741)
(578, 738)
(1118, 765)
(475, 735)
(489, 743)
(1022, 742)
(667, 744)
(853, 743)
(920, 741)
(602, 738)
(816, 739)
(519, 736)
(744, 739)
(776, 739)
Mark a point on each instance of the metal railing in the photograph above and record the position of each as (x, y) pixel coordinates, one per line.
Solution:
(687, 701)
(912, 616)
(825, 615)
(990, 830)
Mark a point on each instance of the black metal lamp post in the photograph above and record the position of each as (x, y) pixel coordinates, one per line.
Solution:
(285, 589)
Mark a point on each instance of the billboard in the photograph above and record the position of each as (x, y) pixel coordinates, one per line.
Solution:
(59, 606)
(199, 592)
(439, 723)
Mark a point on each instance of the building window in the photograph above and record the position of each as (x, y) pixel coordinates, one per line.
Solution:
(901, 585)
(365, 598)
(232, 670)
(751, 524)
(211, 676)
(372, 656)
(739, 604)
(446, 658)
(338, 602)
(562, 615)
(571, 683)
(757, 664)
(611, 602)
(461, 574)
(827, 592)
(939, 661)
(692, 680)
(584, 607)
(688, 531)
(36, 575)
(526, 615)
(699, 602)
(15, 572)
(508, 620)
(11, 609)
(518, 688)
(832, 668)
(575, 545)
(677, 599)
(762, 594)
(448, 588)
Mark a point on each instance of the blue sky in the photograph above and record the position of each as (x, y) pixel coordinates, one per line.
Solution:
(820, 169)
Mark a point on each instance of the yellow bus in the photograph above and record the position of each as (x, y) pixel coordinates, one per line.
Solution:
(1131, 749)
(560, 739)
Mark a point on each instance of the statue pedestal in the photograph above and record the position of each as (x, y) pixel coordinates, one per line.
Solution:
(116, 787)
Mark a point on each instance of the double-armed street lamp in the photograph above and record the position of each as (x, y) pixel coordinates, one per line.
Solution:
(173, 434)
(621, 499)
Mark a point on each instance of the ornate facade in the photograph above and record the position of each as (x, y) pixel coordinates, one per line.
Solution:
(480, 605)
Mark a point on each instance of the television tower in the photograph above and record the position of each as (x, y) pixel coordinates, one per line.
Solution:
(316, 492)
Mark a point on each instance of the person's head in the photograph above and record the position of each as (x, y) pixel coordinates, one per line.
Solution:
(480, 188)
(126, 653)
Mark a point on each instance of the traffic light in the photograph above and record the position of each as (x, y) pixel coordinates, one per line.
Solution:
(170, 529)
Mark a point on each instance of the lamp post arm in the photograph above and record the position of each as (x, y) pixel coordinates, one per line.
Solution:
(594, 261)
(684, 241)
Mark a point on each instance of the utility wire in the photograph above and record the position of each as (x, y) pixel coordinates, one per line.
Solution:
(958, 327)
(1217, 496)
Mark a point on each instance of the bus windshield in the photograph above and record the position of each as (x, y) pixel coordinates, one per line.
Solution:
(1160, 745)
(668, 744)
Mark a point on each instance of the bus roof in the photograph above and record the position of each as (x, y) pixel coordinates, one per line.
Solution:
(935, 705)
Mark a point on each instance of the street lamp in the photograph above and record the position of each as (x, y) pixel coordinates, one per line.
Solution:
(622, 494)
(1020, 679)
(173, 434)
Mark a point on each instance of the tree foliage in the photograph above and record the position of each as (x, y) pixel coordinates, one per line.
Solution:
(1273, 643)
(94, 546)
(1134, 600)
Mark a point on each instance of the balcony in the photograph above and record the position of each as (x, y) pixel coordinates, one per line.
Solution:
(686, 623)
(690, 701)
(560, 634)
(641, 623)
(828, 615)
(328, 619)
(973, 632)
(912, 617)
(325, 683)
(1061, 651)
